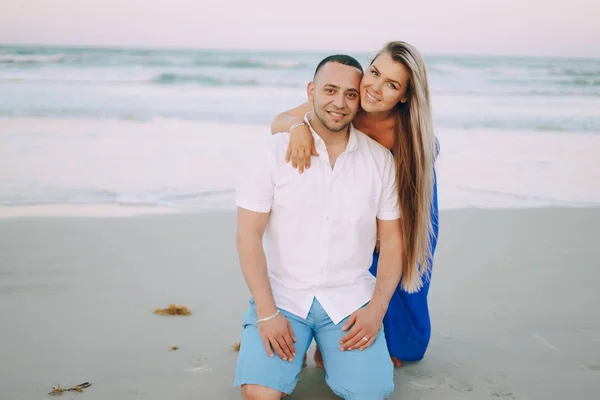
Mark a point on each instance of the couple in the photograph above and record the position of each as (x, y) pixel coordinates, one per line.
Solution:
(306, 240)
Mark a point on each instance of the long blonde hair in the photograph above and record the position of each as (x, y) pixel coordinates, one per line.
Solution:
(414, 152)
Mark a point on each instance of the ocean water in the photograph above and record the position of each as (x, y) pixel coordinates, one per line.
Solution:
(170, 127)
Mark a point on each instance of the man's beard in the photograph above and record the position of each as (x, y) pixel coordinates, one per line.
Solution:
(326, 124)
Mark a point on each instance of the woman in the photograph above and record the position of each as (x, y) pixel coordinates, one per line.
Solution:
(396, 112)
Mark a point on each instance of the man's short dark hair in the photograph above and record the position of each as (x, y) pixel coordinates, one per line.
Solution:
(340, 59)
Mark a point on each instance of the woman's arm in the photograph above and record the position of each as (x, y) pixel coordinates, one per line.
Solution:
(286, 119)
(301, 145)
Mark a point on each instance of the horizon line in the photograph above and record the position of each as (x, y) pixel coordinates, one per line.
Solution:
(274, 49)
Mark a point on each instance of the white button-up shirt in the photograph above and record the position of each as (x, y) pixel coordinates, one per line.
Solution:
(322, 226)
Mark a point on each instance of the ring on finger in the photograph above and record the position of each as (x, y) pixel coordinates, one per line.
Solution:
(366, 339)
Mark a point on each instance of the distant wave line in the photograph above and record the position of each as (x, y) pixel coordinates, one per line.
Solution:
(95, 60)
(523, 196)
(30, 59)
(165, 78)
(66, 196)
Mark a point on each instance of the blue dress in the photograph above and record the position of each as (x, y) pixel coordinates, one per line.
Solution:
(406, 324)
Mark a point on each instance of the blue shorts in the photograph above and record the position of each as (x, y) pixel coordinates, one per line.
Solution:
(367, 374)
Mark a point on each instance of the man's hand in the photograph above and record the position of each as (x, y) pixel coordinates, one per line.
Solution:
(364, 324)
(278, 333)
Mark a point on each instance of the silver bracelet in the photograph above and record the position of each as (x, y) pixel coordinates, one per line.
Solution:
(297, 124)
(265, 319)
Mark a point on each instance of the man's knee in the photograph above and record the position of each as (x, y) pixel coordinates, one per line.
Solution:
(367, 379)
(378, 389)
(257, 392)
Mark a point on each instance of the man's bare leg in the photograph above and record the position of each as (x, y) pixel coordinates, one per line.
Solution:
(257, 392)
(319, 358)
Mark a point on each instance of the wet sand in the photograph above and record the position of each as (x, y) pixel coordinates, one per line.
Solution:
(514, 303)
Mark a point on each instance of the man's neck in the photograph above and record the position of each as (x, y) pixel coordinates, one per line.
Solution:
(335, 142)
(334, 139)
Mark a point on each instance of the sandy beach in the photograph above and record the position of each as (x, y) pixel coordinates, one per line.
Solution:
(513, 300)
(123, 129)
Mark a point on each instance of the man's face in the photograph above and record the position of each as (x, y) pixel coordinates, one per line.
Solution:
(335, 95)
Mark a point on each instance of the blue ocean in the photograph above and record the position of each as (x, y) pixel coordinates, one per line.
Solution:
(169, 127)
(553, 94)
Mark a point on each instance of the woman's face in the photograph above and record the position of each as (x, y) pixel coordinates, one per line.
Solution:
(383, 85)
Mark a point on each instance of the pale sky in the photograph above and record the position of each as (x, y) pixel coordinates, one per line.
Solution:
(519, 27)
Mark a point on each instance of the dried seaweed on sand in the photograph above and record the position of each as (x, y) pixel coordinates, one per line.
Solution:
(58, 390)
(173, 309)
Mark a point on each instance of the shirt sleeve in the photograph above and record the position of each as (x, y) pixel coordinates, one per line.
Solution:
(255, 182)
(389, 208)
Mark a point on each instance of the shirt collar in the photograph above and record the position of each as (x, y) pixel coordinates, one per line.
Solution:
(320, 144)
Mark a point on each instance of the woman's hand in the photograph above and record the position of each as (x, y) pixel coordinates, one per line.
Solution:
(362, 328)
(300, 148)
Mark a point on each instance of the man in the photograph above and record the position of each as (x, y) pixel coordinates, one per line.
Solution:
(312, 278)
